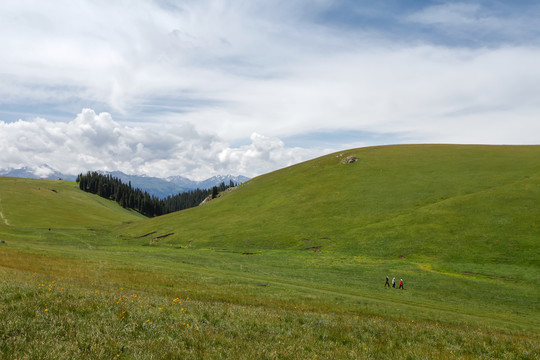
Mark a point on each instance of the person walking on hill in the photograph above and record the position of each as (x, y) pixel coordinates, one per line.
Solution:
(401, 284)
(393, 282)
(387, 283)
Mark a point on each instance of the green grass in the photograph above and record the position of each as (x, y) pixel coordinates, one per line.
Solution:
(57, 319)
(457, 223)
(99, 302)
(55, 204)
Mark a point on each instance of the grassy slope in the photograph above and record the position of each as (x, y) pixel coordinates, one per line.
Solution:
(477, 204)
(34, 204)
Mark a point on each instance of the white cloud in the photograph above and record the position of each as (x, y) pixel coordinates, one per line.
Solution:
(95, 141)
(264, 150)
(427, 91)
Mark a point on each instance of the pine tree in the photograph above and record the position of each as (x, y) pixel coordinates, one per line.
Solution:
(126, 196)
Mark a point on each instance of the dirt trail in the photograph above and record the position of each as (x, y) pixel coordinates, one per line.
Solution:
(2, 215)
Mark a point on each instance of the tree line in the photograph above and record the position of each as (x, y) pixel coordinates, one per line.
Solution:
(112, 188)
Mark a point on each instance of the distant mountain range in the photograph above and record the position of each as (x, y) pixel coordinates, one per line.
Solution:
(160, 187)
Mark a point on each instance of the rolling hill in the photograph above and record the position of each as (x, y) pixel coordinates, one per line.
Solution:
(449, 203)
(56, 204)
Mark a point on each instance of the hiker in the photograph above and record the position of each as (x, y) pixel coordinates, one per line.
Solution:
(393, 282)
(401, 284)
(387, 283)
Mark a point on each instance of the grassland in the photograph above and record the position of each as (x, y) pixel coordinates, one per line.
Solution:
(55, 204)
(290, 265)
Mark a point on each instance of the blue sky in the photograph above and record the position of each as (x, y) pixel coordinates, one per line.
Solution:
(199, 88)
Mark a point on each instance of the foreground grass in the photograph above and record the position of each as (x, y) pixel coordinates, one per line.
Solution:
(99, 297)
(55, 319)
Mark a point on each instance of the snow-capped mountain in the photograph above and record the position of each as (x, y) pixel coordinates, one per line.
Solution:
(182, 182)
(216, 180)
(172, 185)
(41, 172)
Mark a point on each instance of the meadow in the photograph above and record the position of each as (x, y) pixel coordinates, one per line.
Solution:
(270, 274)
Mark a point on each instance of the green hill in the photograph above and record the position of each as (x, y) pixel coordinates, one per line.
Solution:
(37, 204)
(453, 203)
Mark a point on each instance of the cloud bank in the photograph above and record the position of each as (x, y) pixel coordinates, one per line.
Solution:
(95, 141)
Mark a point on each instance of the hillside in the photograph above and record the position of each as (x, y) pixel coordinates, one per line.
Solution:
(34, 204)
(463, 203)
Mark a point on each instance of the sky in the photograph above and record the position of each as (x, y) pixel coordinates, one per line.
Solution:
(205, 87)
